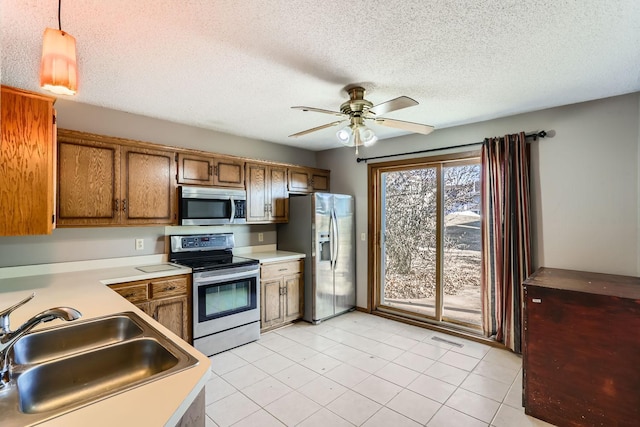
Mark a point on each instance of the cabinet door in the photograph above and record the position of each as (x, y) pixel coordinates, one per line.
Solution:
(580, 357)
(26, 163)
(228, 173)
(257, 192)
(271, 301)
(320, 181)
(149, 191)
(299, 180)
(88, 182)
(294, 297)
(306, 180)
(279, 197)
(195, 169)
(172, 313)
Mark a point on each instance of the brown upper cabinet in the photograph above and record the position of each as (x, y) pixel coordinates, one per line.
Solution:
(103, 181)
(267, 196)
(216, 171)
(27, 163)
(307, 180)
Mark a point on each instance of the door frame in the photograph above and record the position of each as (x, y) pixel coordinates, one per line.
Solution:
(374, 208)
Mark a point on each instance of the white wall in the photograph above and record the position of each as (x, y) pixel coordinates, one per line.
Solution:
(584, 182)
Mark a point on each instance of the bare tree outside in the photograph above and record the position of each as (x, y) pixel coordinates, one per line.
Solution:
(410, 244)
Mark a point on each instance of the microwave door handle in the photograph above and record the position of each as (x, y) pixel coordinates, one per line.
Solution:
(233, 210)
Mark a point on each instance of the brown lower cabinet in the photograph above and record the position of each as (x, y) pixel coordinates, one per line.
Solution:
(281, 293)
(581, 348)
(166, 299)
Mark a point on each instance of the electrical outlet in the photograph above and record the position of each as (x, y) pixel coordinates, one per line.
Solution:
(139, 244)
(260, 237)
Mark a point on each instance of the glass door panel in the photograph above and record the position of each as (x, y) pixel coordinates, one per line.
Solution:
(461, 245)
(409, 240)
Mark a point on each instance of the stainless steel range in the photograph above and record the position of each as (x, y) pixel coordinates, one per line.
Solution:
(226, 291)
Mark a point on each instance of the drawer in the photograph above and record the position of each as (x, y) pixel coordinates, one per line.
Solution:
(133, 293)
(279, 269)
(169, 288)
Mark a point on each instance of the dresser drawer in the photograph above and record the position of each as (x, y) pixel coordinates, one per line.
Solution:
(279, 269)
(169, 288)
(134, 293)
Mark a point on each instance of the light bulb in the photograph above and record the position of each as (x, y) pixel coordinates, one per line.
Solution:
(367, 136)
(344, 135)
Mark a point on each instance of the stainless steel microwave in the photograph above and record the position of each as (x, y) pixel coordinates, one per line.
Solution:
(211, 206)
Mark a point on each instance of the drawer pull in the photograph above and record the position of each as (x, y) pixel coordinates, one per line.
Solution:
(169, 288)
(536, 300)
(283, 269)
(129, 295)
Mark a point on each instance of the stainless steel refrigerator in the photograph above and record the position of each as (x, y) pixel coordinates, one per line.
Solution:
(322, 226)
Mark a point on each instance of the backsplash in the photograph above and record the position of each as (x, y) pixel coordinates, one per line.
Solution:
(82, 244)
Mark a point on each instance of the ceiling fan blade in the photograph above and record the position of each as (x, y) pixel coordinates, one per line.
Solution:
(320, 110)
(393, 105)
(328, 125)
(410, 126)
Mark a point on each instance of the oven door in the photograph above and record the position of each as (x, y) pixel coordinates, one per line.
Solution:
(225, 299)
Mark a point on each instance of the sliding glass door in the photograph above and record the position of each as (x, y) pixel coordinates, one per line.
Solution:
(428, 251)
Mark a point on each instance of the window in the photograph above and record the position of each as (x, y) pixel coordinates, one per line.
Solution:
(427, 251)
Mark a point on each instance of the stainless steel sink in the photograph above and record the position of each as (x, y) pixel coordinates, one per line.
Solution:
(62, 369)
(92, 375)
(73, 338)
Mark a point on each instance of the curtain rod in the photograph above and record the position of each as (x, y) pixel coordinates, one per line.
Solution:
(534, 135)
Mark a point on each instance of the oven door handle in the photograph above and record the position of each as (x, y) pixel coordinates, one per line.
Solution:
(202, 278)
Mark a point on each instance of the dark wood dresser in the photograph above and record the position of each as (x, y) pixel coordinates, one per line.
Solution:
(581, 348)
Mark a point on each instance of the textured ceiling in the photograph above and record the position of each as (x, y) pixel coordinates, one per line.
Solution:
(237, 66)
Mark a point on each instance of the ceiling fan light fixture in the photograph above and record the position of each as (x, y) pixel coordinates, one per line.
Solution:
(59, 67)
(367, 136)
(345, 135)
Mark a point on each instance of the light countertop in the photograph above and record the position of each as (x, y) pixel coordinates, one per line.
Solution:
(267, 253)
(161, 402)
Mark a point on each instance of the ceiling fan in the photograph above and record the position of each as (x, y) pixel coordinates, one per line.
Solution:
(356, 110)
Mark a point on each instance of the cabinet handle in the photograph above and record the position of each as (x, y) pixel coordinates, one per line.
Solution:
(124, 205)
(282, 269)
(536, 300)
(129, 295)
(116, 204)
(169, 288)
(210, 170)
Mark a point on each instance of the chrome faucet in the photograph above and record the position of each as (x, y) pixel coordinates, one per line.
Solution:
(8, 338)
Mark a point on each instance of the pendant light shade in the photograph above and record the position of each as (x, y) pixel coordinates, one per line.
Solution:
(59, 69)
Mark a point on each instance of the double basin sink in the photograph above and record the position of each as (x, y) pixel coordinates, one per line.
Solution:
(61, 369)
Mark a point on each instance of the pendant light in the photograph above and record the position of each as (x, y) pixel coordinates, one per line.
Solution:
(59, 69)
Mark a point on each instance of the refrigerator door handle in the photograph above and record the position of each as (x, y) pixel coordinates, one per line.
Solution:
(331, 240)
(334, 222)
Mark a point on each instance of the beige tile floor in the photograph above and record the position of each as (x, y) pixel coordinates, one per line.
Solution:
(358, 369)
